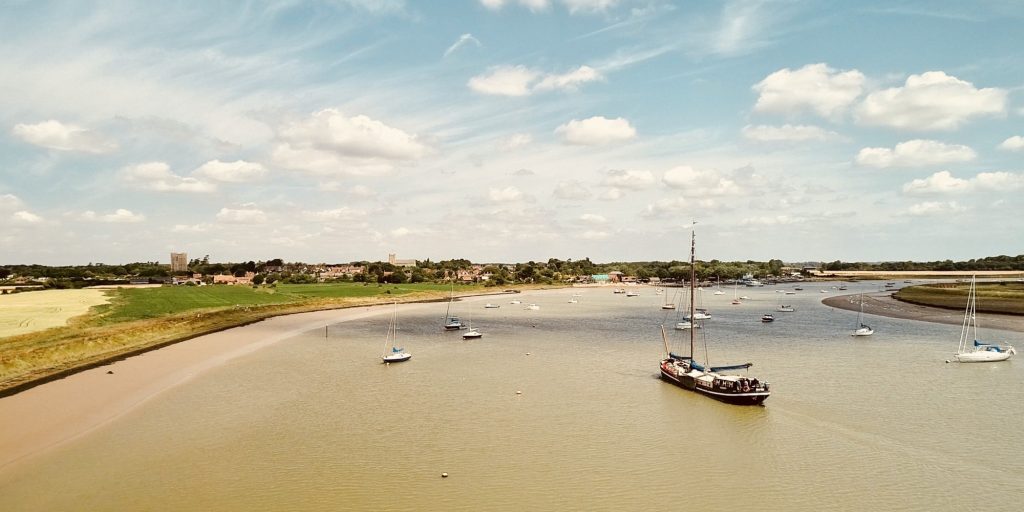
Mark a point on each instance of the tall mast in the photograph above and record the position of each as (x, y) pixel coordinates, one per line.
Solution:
(693, 279)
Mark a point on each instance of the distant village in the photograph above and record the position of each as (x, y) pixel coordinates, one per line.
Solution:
(201, 272)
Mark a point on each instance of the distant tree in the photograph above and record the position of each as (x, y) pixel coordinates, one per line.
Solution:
(258, 279)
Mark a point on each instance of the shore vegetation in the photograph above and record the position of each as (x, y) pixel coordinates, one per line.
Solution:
(993, 297)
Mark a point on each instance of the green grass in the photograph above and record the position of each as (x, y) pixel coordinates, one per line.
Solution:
(1001, 297)
(128, 304)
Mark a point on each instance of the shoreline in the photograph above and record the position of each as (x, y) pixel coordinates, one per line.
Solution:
(883, 304)
(46, 416)
(51, 414)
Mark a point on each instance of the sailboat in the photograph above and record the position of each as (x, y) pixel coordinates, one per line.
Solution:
(472, 333)
(735, 300)
(451, 323)
(711, 381)
(861, 329)
(667, 304)
(396, 354)
(978, 351)
(718, 290)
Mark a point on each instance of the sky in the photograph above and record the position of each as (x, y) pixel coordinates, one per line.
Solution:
(510, 130)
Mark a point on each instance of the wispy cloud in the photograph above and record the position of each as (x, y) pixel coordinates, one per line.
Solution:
(463, 40)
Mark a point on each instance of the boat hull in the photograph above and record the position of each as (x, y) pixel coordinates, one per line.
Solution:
(397, 358)
(984, 356)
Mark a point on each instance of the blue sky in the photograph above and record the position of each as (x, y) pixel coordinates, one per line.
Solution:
(341, 130)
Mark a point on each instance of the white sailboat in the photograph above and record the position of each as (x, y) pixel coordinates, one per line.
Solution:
(861, 329)
(472, 333)
(718, 290)
(396, 354)
(978, 351)
(669, 305)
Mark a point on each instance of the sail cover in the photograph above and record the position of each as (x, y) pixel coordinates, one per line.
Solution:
(732, 367)
(396, 349)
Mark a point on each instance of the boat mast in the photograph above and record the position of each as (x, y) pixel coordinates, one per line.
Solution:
(693, 278)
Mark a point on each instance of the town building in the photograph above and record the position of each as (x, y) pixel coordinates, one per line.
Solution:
(179, 261)
(400, 263)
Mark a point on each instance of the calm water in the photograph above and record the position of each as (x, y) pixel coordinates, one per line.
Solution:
(315, 423)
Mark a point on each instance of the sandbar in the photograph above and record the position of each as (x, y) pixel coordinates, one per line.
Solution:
(883, 304)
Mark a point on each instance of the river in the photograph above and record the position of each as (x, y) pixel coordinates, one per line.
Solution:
(561, 409)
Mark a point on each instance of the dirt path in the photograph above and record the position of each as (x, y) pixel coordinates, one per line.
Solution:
(883, 304)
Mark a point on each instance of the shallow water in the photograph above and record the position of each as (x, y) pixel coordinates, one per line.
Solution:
(317, 423)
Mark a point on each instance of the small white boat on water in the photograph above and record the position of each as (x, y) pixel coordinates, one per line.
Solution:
(532, 307)
(396, 354)
(517, 301)
(860, 328)
(978, 351)
(491, 306)
(785, 308)
(632, 294)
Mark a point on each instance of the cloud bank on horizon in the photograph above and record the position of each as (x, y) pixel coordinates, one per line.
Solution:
(511, 130)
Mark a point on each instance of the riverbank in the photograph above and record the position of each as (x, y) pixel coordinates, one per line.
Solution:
(883, 304)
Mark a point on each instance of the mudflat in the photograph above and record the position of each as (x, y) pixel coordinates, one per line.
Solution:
(45, 416)
(883, 304)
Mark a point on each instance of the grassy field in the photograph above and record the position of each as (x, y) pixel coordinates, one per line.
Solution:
(128, 304)
(136, 320)
(1004, 297)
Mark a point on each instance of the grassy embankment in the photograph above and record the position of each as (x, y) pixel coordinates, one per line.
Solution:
(1004, 297)
(136, 320)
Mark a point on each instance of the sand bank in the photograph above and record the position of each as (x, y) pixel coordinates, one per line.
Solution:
(883, 304)
(48, 415)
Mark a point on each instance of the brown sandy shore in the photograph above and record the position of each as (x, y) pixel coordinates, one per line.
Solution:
(883, 304)
(46, 416)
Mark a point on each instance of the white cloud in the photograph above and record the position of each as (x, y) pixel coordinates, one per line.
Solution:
(516, 140)
(769, 220)
(337, 214)
(158, 176)
(119, 216)
(195, 228)
(504, 81)
(573, 190)
(814, 87)
(787, 132)
(506, 194)
(915, 153)
(362, 191)
(930, 101)
(700, 182)
(943, 182)
(532, 5)
(633, 180)
(400, 232)
(244, 215)
(64, 137)
(999, 181)
(463, 40)
(1015, 143)
(593, 218)
(522, 81)
(570, 80)
(359, 136)
(576, 6)
(331, 143)
(612, 194)
(934, 208)
(26, 217)
(9, 202)
(596, 131)
(665, 207)
(238, 171)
